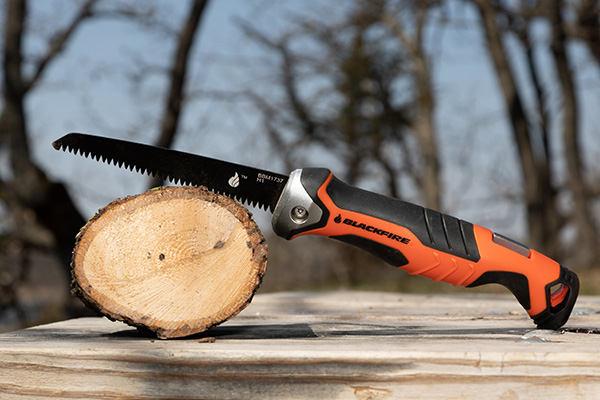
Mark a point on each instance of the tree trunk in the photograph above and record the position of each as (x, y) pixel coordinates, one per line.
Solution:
(543, 219)
(587, 244)
(175, 261)
(428, 178)
(30, 189)
(424, 123)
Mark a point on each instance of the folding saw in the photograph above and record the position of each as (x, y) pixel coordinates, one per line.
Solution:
(311, 201)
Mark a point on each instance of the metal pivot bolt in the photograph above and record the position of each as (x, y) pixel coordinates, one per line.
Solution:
(295, 209)
(299, 214)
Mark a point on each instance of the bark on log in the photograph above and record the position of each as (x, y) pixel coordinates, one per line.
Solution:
(175, 261)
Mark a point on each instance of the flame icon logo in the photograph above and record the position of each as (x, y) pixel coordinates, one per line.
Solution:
(338, 219)
(234, 181)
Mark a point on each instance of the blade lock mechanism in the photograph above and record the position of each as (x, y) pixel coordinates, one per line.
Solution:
(311, 201)
(295, 208)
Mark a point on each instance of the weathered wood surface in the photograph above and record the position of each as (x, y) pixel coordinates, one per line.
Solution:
(346, 345)
(175, 260)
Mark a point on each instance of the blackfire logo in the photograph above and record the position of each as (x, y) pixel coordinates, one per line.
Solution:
(370, 228)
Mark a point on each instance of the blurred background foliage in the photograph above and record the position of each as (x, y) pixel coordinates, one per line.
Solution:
(366, 88)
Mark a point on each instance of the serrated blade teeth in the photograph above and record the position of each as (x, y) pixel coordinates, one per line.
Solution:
(258, 188)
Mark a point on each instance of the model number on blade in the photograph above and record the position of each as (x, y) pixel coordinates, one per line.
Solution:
(264, 177)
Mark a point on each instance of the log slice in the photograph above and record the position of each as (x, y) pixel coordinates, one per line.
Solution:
(175, 261)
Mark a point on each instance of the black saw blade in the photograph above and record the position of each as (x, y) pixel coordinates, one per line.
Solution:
(253, 186)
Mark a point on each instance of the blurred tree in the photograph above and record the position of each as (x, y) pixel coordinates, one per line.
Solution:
(340, 91)
(531, 130)
(356, 89)
(42, 214)
(420, 70)
(586, 26)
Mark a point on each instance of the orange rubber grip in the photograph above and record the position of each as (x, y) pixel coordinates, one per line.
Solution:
(440, 247)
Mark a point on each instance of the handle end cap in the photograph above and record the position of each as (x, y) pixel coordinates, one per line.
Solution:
(555, 316)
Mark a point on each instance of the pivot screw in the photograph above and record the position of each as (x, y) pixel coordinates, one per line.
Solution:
(299, 214)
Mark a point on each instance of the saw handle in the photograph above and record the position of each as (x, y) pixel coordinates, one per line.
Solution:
(437, 246)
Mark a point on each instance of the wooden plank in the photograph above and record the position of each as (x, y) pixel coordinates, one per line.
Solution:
(332, 345)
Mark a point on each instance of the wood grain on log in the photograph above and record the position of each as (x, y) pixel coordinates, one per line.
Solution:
(175, 261)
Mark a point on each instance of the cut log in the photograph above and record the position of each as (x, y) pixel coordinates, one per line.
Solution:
(175, 261)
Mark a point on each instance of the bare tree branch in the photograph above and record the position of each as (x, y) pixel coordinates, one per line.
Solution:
(57, 45)
(175, 98)
(424, 102)
(521, 24)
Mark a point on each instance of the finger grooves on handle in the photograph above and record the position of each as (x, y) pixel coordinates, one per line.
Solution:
(426, 268)
(444, 268)
(449, 271)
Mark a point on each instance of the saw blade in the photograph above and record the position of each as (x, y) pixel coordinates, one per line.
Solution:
(255, 187)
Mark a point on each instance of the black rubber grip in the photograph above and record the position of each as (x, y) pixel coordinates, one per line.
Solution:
(388, 254)
(517, 283)
(435, 230)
